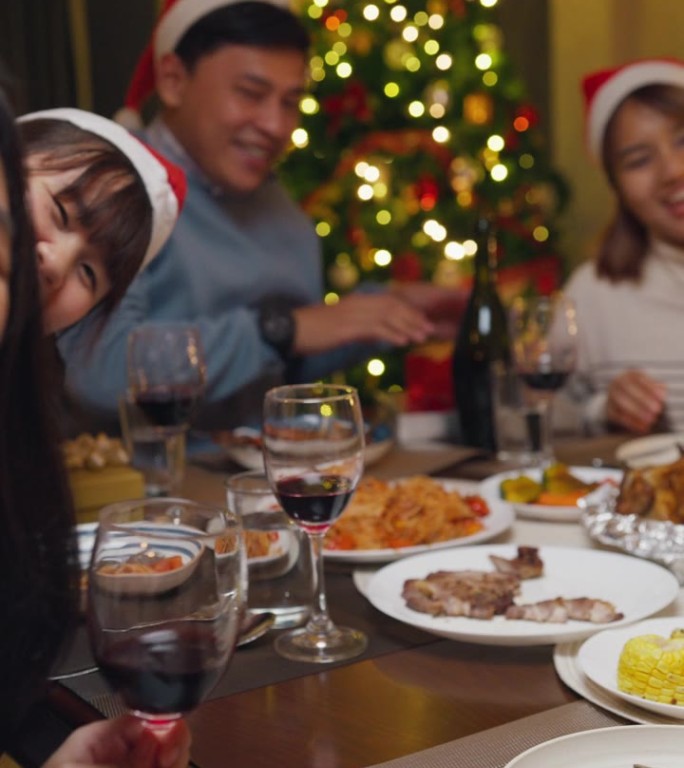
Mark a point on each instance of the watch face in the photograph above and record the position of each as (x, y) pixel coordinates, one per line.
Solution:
(277, 327)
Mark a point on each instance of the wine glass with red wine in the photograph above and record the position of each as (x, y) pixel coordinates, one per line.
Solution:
(166, 373)
(543, 332)
(166, 591)
(313, 445)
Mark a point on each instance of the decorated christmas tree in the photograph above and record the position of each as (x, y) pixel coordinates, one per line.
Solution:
(414, 124)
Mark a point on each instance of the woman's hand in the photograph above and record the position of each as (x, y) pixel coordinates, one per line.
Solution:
(635, 401)
(123, 743)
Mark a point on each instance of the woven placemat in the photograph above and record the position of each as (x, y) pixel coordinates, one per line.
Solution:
(496, 747)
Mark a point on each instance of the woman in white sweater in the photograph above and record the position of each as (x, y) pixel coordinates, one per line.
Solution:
(630, 300)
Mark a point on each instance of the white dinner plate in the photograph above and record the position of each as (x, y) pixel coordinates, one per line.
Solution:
(499, 519)
(250, 456)
(566, 663)
(637, 588)
(651, 450)
(656, 746)
(490, 489)
(598, 658)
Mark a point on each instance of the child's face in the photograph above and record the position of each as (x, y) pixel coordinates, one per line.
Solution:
(72, 274)
(5, 252)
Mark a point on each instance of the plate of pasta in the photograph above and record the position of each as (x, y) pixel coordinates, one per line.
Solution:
(387, 520)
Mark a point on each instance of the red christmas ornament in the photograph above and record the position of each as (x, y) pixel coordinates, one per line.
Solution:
(352, 102)
(406, 268)
(529, 113)
(512, 141)
(427, 192)
(457, 8)
(355, 235)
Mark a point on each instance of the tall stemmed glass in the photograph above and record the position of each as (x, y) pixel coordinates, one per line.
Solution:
(166, 378)
(543, 332)
(166, 372)
(313, 443)
(166, 592)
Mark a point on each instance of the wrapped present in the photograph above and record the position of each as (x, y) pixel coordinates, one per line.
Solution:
(99, 474)
(429, 380)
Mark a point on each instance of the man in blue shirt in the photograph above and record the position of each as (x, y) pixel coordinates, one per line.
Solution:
(244, 262)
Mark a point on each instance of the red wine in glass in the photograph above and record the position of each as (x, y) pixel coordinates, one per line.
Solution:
(168, 670)
(314, 501)
(168, 406)
(547, 381)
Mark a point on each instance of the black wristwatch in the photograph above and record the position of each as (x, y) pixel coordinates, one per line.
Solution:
(277, 325)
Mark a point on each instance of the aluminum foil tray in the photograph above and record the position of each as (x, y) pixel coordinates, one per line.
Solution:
(657, 540)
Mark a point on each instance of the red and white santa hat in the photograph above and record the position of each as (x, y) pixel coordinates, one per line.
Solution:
(605, 90)
(176, 18)
(164, 181)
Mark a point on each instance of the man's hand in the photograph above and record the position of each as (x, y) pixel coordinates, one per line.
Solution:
(123, 743)
(409, 313)
(368, 317)
(635, 401)
(443, 306)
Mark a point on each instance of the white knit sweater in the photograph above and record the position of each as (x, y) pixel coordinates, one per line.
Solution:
(628, 325)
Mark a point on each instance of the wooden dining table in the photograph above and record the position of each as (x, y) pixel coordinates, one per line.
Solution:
(412, 700)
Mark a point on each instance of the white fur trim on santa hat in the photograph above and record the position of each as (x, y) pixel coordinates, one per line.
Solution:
(155, 178)
(181, 16)
(625, 81)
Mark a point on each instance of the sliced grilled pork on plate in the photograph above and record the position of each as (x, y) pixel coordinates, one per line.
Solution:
(560, 610)
(526, 565)
(475, 594)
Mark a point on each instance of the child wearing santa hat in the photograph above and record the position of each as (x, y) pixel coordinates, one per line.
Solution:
(630, 300)
(102, 205)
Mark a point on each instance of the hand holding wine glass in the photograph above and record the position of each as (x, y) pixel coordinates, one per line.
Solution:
(313, 443)
(166, 591)
(544, 342)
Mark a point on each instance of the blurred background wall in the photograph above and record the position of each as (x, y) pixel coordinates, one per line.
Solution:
(81, 52)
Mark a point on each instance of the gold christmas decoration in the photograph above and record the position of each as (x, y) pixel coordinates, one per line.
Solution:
(395, 53)
(360, 42)
(463, 173)
(343, 274)
(506, 207)
(478, 108)
(438, 93)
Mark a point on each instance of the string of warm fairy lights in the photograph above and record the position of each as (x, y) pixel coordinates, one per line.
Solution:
(414, 122)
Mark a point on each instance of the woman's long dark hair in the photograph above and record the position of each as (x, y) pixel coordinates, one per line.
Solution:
(38, 571)
(625, 243)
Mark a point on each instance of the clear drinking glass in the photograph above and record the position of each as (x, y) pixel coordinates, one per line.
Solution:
(543, 333)
(166, 593)
(313, 444)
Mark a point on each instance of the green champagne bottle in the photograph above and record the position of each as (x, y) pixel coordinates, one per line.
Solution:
(482, 344)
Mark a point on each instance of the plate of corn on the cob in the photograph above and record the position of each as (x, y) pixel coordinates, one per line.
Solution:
(642, 664)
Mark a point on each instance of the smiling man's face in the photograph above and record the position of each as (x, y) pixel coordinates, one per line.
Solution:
(235, 112)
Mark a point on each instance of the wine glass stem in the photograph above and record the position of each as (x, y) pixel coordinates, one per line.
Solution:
(539, 428)
(319, 620)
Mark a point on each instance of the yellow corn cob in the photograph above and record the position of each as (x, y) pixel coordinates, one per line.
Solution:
(652, 667)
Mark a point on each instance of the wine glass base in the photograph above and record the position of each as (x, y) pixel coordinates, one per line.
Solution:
(159, 724)
(338, 644)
